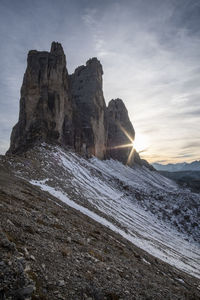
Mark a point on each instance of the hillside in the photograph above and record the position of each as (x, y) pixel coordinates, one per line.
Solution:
(71, 225)
(189, 179)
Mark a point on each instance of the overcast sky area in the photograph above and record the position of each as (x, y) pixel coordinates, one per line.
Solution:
(150, 52)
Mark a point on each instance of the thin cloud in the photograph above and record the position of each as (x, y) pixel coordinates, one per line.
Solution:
(89, 16)
(192, 145)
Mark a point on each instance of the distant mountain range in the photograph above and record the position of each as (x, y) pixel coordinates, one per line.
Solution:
(193, 166)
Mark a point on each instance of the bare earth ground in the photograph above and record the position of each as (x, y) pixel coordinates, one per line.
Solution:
(51, 251)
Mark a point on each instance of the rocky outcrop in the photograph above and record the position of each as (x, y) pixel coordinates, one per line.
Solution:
(69, 255)
(70, 110)
(45, 105)
(121, 134)
(87, 94)
(54, 111)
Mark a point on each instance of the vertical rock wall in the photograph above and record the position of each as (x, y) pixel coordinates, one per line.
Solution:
(87, 94)
(44, 102)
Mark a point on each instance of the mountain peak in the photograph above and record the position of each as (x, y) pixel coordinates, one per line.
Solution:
(117, 105)
(56, 48)
(193, 166)
(120, 132)
(70, 110)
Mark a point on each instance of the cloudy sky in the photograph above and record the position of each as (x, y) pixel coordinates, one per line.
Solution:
(150, 52)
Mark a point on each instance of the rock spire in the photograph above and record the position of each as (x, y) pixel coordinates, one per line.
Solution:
(87, 94)
(44, 102)
(70, 110)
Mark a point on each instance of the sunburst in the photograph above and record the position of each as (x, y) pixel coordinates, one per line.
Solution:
(129, 145)
(140, 144)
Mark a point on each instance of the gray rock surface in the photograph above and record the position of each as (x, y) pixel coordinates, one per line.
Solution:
(87, 94)
(14, 279)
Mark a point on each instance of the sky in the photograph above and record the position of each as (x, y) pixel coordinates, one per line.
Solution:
(150, 52)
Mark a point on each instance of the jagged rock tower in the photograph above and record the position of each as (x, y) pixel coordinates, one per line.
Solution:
(70, 110)
(87, 94)
(45, 105)
(120, 134)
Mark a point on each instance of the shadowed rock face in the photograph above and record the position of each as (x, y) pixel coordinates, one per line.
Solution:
(45, 105)
(87, 94)
(120, 132)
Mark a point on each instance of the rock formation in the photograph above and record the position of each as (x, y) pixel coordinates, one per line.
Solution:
(45, 105)
(70, 110)
(121, 134)
(52, 111)
(87, 94)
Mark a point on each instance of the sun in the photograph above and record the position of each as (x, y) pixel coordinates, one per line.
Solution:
(140, 143)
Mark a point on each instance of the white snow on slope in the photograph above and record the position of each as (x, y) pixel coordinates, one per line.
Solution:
(138, 177)
(187, 259)
(95, 182)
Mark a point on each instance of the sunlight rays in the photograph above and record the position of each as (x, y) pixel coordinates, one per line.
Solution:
(130, 145)
(140, 144)
(122, 146)
(131, 154)
(131, 139)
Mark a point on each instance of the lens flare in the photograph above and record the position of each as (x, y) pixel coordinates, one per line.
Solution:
(138, 144)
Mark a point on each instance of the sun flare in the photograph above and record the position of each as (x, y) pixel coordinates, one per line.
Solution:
(140, 143)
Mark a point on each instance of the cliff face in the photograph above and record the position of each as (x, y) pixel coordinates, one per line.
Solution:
(70, 110)
(45, 105)
(55, 107)
(87, 94)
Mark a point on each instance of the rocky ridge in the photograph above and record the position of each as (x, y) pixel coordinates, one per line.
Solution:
(70, 110)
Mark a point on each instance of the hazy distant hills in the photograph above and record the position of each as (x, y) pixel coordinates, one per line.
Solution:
(193, 166)
(185, 174)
